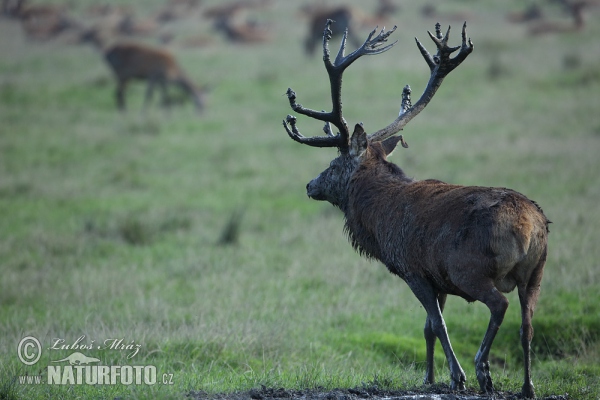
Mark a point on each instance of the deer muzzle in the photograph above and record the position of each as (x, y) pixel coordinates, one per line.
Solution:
(314, 191)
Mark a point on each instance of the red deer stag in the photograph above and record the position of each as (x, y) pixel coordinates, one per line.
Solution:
(158, 67)
(471, 242)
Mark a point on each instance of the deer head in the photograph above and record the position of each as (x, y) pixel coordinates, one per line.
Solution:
(332, 184)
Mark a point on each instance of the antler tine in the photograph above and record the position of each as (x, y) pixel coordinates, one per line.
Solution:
(372, 45)
(322, 116)
(336, 69)
(289, 123)
(340, 54)
(440, 65)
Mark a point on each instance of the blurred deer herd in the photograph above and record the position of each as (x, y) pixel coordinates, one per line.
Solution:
(121, 35)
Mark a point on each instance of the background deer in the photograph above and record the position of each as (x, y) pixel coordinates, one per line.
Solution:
(576, 12)
(468, 241)
(40, 22)
(342, 17)
(158, 67)
(242, 31)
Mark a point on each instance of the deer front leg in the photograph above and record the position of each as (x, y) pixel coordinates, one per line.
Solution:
(424, 291)
(164, 92)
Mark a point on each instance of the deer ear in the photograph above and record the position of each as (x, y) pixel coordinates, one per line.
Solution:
(389, 144)
(358, 142)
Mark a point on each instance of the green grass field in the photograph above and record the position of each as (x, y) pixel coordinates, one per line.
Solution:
(110, 223)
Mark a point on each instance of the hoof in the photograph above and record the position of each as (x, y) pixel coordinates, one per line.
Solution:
(528, 391)
(458, 386)
(429, 378)
(457, 379)
(484, 378)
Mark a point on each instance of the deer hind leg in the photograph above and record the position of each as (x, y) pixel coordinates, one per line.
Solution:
(430, 339)
(528, 296)
(497, 304)
(428, 297)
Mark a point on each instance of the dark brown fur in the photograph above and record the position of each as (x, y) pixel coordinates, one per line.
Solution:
(439, 230)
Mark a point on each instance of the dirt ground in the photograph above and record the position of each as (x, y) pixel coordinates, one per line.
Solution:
(435, 392)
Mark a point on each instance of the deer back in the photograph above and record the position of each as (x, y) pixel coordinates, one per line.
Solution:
(131, 60)
(436, 229)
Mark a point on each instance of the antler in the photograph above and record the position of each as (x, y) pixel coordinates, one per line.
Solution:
(440, 65)
(372, 45)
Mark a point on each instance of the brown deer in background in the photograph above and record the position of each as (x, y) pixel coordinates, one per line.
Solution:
(231, 20)
(468, 241)
(242, 31)
(156, 66)
(40, 21)
(575, 10)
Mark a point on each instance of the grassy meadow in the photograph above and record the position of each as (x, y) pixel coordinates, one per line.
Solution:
(111, 223)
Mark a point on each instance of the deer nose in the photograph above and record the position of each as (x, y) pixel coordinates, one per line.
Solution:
(313, 191)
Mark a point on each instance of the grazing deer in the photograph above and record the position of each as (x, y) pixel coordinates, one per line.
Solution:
(176, 9)
(44, 21)
(429, 10)
(531, 13)
(232, 22)
(157, 66)
(468, 241)
(12, 8)
(232, 9)
(242, 31)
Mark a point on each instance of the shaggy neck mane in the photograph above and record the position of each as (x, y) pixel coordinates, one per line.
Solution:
(370, 198)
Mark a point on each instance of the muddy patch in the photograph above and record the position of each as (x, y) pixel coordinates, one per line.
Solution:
(435, 392)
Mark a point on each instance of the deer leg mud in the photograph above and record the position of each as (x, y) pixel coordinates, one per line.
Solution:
(120, 94)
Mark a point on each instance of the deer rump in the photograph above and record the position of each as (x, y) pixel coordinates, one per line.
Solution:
(444, 231)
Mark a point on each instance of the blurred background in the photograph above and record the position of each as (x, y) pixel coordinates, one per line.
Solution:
(181, 221)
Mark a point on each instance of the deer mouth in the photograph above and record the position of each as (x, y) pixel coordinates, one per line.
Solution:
(313, 192)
